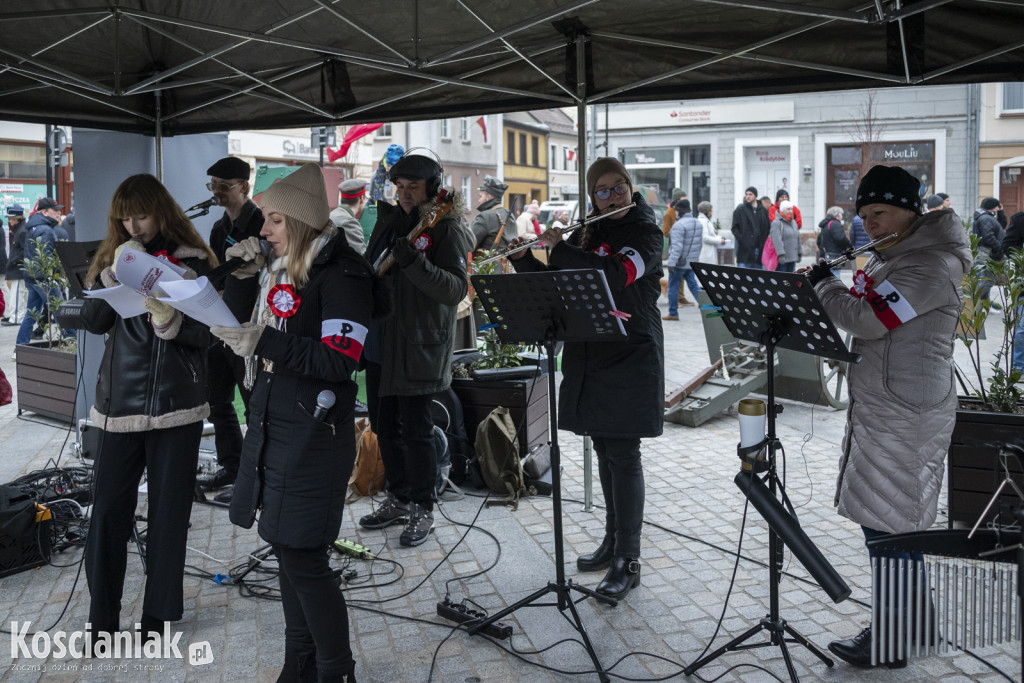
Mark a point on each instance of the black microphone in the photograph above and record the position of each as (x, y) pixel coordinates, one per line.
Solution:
(324, 402)
(202, 206)
(217, 275)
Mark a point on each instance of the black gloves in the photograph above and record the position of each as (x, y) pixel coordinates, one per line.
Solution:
(404, 252)
(818, 272)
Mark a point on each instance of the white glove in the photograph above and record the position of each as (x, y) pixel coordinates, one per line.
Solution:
(242, 340)
(134, 244)
(247, 250)
(160, 312)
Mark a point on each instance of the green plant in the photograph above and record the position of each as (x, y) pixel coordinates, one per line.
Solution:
(46, 269)
(999, 392)
(495, 353)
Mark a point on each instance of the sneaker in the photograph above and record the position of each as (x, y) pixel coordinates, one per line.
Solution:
(421, 521)
(391, 511)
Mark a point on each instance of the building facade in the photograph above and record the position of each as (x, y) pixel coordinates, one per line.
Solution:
(1001, 145)
(816, 146)
(526, 164)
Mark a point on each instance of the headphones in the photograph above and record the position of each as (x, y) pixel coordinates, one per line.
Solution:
(433, 181)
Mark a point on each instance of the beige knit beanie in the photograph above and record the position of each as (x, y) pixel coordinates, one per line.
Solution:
(301, 195)
(601, 166)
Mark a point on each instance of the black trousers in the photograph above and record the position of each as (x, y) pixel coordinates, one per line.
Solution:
(622, 481)
(405, 434)
(315, 614)
(226, 371)
(169, 457)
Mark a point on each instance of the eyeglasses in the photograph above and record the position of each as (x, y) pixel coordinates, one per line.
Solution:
(221, 187)
(620, 189)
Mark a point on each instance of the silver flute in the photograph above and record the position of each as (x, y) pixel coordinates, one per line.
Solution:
(851, 253)
(537, 240)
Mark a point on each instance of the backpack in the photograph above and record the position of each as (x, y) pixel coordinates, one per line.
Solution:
(368, 471)
(446, 413)
(497, 452)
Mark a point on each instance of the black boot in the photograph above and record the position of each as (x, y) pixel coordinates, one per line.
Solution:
(151, 628)
(299, 667)
(622, 577)
(857, 651)
(218, 480)
(599, 559)
(344, 675)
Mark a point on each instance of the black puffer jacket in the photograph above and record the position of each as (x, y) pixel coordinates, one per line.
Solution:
(16, 258)
(145, 381)
(832, 239)
(295, 467)
(616, 389)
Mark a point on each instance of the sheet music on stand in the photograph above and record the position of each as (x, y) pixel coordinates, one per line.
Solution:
(522, 306)
(750, 300)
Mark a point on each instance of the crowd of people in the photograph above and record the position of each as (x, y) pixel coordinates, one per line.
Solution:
(312, 311)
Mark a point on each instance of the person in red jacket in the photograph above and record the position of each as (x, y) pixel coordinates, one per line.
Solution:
(783, 196)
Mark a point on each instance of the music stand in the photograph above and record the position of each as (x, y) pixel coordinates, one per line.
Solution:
(547, 307)
(775, 310)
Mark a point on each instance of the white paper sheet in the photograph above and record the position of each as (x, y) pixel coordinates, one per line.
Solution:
(125, 301)
(199, 300)
(141, 273)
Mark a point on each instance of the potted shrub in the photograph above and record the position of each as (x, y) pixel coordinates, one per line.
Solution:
(992, 410)
(526, 399)
(46, 369)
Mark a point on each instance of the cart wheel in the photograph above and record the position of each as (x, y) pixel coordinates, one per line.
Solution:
(832, 374)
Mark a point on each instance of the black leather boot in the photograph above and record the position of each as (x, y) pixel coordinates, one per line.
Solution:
(857, 651)
(622, 577)
(599, 559)
(299, 667)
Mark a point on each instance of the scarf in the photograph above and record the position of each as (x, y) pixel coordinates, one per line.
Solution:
(270, 277)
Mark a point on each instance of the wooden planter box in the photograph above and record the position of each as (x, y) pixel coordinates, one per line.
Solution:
(527, 397)
(46, 381)
(973, 470)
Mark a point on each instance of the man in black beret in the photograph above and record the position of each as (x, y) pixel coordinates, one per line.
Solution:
(492, 216)
(990, 245)
(229, 182)
(352, 193)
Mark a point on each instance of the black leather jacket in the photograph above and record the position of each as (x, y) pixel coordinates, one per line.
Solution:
(145, 381)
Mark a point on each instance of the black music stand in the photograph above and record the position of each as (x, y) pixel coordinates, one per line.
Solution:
(548, 307)
(775, 310)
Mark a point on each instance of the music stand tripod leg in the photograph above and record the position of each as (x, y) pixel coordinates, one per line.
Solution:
(561, 587)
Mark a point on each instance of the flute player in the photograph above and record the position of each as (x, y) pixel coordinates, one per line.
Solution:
(614, 390)
(902, 311)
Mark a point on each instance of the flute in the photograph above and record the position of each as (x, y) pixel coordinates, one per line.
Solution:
(537, 240)
(851, 253)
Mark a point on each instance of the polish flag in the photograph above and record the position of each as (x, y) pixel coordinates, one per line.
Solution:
(353, 134)
(482, 122)
(572, 155)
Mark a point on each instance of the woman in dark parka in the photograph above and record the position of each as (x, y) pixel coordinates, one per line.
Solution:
(614, 390)
(306, 337)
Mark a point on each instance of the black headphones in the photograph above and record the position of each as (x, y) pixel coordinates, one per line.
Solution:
(433, 177)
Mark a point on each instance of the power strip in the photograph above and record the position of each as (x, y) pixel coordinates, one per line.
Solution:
(460, 614)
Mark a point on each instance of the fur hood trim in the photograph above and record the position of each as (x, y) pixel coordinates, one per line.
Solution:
(144, 423)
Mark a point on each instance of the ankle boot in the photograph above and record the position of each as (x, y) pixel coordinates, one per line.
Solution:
(622, 577)
(299, 667)
(857, 651)
(599, 559)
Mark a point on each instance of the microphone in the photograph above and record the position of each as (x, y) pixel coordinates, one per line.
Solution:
(217, 275)
(324, 402)
(203, 206)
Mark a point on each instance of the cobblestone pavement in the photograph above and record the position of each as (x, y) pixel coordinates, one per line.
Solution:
(694, 514)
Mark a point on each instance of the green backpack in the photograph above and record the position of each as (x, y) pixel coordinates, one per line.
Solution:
(497, 454)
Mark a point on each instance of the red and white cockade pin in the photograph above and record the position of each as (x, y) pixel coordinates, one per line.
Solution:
(861, 284)
(162, 254)
(423, 242)
(283, 301)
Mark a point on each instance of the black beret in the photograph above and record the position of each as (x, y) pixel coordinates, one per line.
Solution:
(229, 167)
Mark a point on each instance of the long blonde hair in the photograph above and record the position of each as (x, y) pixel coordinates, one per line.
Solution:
(300, 242)
(144, 195)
